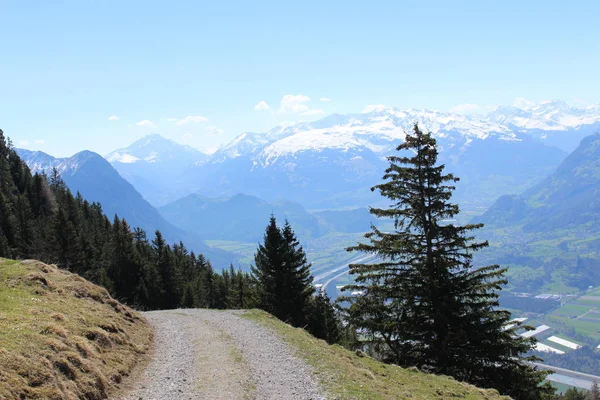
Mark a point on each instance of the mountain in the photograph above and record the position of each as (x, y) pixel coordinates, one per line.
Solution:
(569, 197)
(243, 218)
(549, 235)
(151, 163)
(349, 221)
(239, 218)
(331, 163)
(97, 181)
(553, 121)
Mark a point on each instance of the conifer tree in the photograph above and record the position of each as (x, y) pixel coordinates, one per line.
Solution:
(424, 302)
(573, 394)
(267, 269)
(594, 393)
(297, 278)
(41, 219)
(323, 321)
(283, 275)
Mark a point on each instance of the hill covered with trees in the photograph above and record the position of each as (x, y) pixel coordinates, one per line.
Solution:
(41, 219)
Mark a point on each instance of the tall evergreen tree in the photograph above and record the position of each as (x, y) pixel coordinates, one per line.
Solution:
(424, 303)
(283, 275)
(297, 278)
(267, 269)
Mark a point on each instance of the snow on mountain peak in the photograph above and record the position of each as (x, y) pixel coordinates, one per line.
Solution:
(125, 158)
(547, 115)
(376, 108)
(154, 148)
(380, 128)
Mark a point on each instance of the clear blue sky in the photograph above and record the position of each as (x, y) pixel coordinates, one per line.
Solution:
(67, 66)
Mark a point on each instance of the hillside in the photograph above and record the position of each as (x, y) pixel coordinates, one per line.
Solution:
(97, 181)
(91, 175)
(550, 233)
(243, 218)
(349, 375)
(566, 198)
(63, 337)
(238, 218)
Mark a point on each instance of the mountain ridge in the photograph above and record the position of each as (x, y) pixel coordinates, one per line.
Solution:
(95, 178)
(330, 163)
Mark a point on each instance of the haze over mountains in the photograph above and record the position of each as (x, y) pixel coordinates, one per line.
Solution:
(242, 218)
(549, 235)
(97, 181)
(154, 159)
(329, 163)
(570, 197)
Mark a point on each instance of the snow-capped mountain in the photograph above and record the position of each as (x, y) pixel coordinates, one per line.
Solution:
(553, 122)
(155, 149)
(330, 162)
(333, 161)
(151, 163)
(379, 128)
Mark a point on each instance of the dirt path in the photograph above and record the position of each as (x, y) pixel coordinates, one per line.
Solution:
(217, 355)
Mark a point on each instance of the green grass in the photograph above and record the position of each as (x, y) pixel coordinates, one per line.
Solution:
(594, 292)
(324, 253)
(587, 303)
(570, 310)
(585, 328)
(346, 375)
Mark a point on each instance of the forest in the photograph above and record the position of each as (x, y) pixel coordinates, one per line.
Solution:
(41, 219)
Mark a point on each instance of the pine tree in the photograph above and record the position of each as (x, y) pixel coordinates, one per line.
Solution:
(594, 393)
(283, 275)
(267, 269)
(424, 303)
(323, 321)
(574, 394)
(297, 277)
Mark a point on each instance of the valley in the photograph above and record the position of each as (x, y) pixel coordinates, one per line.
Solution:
(300, 200)
(537, 204)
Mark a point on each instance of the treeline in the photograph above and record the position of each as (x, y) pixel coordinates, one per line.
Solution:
(585, 359)
(528, 304)
(41, 219)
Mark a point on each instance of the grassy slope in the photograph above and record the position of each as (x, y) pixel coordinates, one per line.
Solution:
(62, 337)
(345, 375)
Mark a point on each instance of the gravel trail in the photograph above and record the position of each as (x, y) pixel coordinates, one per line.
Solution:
(217, 355)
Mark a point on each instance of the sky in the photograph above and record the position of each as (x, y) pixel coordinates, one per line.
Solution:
(98, 75)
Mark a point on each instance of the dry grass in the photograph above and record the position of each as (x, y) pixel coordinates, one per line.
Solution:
(62, 337)
(348, 375)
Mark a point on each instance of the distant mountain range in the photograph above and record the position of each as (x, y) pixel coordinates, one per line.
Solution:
(97, 181)
(244, 218)
(570, 197)
(331, 163)
(152, 163)
(549, 235)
